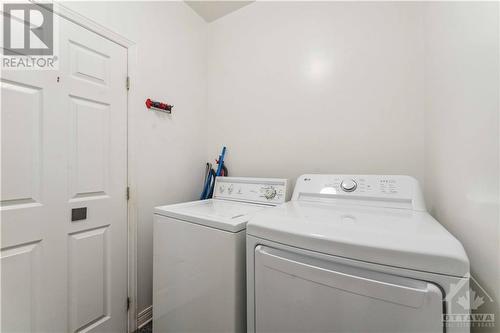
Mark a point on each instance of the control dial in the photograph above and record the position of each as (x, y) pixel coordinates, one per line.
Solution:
(270, 193)
(348, 185)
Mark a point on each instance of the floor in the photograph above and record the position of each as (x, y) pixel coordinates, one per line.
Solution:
(146, 329)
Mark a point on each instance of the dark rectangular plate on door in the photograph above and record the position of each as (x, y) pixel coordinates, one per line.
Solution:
(78, 214)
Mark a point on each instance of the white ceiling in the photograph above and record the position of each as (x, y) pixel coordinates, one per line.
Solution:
(212, 10)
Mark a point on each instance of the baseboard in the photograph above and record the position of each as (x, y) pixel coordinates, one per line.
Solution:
(144, 317)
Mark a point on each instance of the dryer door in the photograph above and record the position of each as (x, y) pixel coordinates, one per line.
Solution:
(298, 293)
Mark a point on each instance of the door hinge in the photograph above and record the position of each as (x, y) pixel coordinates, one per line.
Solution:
(128, 303)
(128, 83)
(128, 193)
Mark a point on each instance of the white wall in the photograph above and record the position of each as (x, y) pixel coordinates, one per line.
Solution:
(462, 132)
(169, 152)
(332, 87)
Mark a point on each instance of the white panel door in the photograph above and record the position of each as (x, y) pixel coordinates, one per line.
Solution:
(297, 293)
(64, 146)
(94, 72)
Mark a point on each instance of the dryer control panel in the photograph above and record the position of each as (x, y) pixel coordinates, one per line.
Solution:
(371, 190)
(269, 191)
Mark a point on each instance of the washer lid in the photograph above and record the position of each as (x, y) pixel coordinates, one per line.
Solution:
(394, 237)
(220, 214)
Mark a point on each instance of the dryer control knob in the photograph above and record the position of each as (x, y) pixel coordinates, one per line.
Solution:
(348, 185)
(270, 193)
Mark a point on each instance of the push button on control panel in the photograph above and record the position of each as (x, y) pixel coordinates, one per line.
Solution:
(348, 185)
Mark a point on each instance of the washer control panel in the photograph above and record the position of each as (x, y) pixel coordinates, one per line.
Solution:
(373, 190)
(270, 191)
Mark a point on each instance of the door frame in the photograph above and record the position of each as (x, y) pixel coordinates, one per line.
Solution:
(131, 46)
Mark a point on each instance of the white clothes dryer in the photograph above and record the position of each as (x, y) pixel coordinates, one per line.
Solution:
(353, 253)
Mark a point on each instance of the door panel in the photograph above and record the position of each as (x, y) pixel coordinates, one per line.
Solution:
(20, 287)
(297, 293)
(64, 146)
(89, 146)
(88, 64)
(89, 278)
(21, 132)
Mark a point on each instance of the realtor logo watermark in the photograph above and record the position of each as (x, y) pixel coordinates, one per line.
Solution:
(29, 41)
(465, 300)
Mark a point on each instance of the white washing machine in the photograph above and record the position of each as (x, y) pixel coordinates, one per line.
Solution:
(354, 253)
(199, 256)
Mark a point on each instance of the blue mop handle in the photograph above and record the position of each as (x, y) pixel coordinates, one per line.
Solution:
(206, 188)
(221, 161)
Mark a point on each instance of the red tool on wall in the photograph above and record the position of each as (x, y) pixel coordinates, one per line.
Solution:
(159, 106)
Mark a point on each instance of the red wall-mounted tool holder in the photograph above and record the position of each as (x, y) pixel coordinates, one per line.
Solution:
(159, 106)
